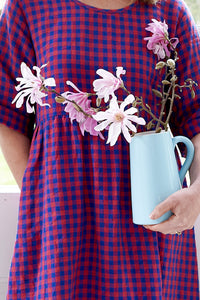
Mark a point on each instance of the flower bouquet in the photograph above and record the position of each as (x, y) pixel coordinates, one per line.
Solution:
(117, 115)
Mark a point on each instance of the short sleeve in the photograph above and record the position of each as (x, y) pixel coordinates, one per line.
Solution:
(186, 112)
(15, 47)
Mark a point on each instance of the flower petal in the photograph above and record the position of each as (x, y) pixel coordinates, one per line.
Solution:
(38, 70)
(126, 133)
(131, 111)
(130, 126)
(120, 71)
(68, 82)
(26, 71)
(113, 133)
(50, 82)
(138, 120)
(30, 109)
(128, 100)
(102, 115)
(102, 125)
(105, 74)
(113, 104)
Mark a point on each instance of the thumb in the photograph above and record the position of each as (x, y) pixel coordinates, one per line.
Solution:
(161, 209)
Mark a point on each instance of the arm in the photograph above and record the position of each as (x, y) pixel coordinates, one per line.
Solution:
(195, 167)
(15, 148)
(185, 203)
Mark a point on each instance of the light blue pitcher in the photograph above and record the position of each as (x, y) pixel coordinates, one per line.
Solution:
(154, 172)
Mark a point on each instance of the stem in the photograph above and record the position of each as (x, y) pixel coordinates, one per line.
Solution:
(172, 86)
(125, 89)
(163, 108)
(152, 115)
(77, 107)
(171, 104)
(164, 101)
(140, 103)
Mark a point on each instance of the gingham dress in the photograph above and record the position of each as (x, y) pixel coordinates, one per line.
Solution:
(76, 239)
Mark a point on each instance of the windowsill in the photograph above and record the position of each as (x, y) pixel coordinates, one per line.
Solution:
(9, 189)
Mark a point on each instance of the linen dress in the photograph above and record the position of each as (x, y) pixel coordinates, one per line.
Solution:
(75, 238)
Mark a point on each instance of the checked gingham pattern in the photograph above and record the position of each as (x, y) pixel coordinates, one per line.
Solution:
(75, 238)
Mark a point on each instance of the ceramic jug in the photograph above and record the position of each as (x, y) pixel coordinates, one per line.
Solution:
(154, 172)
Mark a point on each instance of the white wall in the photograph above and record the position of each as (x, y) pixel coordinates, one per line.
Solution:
(9, 202)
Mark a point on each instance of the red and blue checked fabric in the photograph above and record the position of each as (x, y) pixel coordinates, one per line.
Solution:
(75, 237)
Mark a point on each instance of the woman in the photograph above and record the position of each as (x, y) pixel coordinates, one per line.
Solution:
(76, 238)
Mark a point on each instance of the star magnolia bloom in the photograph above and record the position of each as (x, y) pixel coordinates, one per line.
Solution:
(30, 88)
(81, 98)
(105, 86)
(86, 123)
(118, 120)
(159, 41)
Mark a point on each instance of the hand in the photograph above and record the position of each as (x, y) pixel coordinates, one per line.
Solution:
(185, 206)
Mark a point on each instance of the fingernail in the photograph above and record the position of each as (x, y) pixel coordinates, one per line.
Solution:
(152, 216)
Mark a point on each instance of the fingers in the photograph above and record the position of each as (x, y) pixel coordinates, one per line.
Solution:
(171, 226)
(162, 208)
(184, 213)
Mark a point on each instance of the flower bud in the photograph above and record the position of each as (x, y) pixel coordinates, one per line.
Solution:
(160, 65)
(171, 63)
(165, 82)
(174, 78)
(193, 93)
(60, 99)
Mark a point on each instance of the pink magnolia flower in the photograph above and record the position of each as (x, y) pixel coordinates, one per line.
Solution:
(118, 120)
(105, 86)
(86, 123)
(30, 88)
(159, 41)
(81, 98)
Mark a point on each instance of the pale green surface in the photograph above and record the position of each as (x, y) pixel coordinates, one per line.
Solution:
(194, 6)
(6, 177)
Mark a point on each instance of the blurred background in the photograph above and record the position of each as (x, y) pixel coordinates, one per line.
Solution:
(194, 6)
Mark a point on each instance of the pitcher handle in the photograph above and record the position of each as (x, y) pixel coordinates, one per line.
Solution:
(189, 157)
